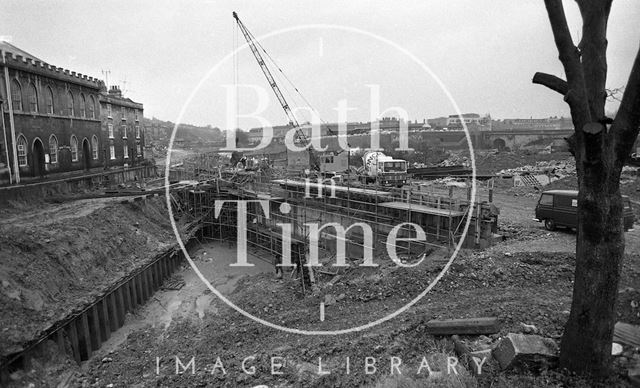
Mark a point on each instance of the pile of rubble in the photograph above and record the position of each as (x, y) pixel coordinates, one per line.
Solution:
(455, 160)
(557, 168)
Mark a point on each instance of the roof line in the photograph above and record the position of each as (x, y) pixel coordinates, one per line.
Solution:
(21, 50)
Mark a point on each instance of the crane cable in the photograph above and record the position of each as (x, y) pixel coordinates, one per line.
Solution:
(289, 96)
(235, 75)
(304, 99)
(284, 76)
(329, 130)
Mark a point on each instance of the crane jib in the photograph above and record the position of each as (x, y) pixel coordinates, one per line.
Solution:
(314, 162)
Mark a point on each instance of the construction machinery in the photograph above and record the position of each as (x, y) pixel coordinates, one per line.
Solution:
(383, 169)
(301, 138)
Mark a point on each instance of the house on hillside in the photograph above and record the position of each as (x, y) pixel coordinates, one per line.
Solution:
(122, 133)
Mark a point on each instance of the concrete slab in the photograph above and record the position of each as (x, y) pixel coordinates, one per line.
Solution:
(517, 349)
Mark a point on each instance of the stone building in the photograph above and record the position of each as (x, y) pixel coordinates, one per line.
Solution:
(51, 118)
(122, 132)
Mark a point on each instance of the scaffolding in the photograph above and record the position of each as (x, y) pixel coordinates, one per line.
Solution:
(367, 215)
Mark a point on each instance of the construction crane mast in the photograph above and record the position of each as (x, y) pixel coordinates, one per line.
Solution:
(313, 160)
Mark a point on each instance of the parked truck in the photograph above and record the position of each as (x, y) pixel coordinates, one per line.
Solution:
(383, 170)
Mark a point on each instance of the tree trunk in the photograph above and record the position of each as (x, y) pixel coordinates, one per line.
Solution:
(586, 342)
(600, 153)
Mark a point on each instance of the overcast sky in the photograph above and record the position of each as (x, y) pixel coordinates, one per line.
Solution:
(485, 52)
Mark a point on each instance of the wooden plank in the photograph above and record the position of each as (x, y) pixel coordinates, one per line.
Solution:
(154, 276)
(151, 280)
(134, 293)
(488, 325)
(145, 284)
(60, 341)
(121, 306)
(126, 298)
(85, 337)
(148, 281)
(163, 269)
(141, 292)
(94, 327)
(159, 271)
(104, 320)
(627, 334)
(72, 330)
(113, 312)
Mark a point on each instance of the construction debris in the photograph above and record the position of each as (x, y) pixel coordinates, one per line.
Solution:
(173, 284)
(558, 168)
(634, 374)
(540, 174)
(616, 349)
(627, 334)
(468, 326)
(519, 349)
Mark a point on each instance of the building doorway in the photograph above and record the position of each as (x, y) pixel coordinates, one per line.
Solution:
(38, 159)
(86, 154)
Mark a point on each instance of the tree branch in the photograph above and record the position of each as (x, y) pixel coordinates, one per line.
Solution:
(593, 51)
(626, 125)
(569, 55)
(552, 82)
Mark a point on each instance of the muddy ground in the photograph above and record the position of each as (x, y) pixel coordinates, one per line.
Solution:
(527, 278)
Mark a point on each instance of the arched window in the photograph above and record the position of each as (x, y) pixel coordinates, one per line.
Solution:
(21, 145)
(74, 148)
(94, 147)
(32, 98)
(83, 106)
(16, 96)
(92, 107)
(49, 100)
(53, 149)
(70, 110)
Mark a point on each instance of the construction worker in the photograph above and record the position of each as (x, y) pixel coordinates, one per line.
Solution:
(278, 265)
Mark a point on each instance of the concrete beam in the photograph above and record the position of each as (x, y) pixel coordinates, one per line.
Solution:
(467, 326)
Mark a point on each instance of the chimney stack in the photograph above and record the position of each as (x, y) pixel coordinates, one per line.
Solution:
(115, 91)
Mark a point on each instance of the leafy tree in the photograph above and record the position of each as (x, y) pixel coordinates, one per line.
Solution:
(601, 147)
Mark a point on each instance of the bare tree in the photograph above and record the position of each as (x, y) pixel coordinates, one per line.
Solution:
(601, 147)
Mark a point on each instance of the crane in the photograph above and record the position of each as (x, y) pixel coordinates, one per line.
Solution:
(301, 137)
